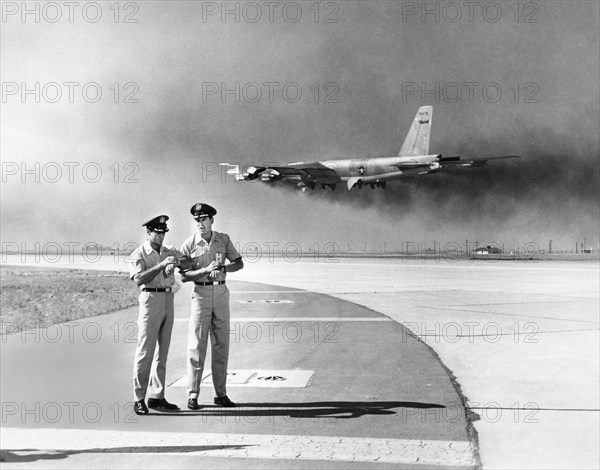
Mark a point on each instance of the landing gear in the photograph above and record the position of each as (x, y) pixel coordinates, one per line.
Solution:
(330, 186)
(359, 183)
(305, 185)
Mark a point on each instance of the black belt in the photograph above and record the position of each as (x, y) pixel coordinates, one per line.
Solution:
(157, 289)
(215, 283)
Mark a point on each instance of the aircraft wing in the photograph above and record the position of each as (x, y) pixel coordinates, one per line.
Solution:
(462, 161)
(413, 166)
(315, 171)
(304, 174)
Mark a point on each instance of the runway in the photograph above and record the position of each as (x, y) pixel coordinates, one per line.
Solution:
(521, 340)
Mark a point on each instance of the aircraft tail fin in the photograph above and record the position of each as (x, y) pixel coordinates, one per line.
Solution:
(417, 140)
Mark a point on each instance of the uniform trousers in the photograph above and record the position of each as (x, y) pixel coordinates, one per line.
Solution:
(155, 324)
(209, 317)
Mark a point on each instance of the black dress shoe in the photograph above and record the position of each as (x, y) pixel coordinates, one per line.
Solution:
(140, 407)
(193, 404)
(224, 401)
(161, 404)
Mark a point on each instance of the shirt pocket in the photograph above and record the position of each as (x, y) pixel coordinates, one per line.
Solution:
(201, 257)
(219, 248)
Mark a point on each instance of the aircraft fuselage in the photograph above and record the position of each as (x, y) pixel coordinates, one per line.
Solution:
(379, 168)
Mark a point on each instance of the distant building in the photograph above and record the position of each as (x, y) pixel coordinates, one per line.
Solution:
(488, 250)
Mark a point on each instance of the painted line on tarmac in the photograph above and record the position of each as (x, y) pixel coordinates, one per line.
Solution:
(472, 266)
(535, 302)
(249, 446)
(514, 333)
(536, 409)
(299, 319)
(269, 291)
(463, 310)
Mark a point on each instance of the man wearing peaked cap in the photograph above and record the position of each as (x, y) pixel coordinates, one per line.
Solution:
(158, 224)
(202, 210)
(152, 267)
(209, 251)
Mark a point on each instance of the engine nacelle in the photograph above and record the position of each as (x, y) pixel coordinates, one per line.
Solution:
(269, 175)
(253, 172)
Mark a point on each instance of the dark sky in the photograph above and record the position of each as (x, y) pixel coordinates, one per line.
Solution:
(355, 75)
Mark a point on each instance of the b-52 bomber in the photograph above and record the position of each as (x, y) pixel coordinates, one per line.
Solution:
(413, 159)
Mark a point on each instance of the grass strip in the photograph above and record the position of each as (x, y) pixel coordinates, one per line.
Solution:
(37, 297)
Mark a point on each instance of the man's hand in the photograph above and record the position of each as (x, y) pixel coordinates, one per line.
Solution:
(169, 260)
(215, 274)
(215, 269)
(212, 267)
(166, 266)
(212, 270)
(170, 269)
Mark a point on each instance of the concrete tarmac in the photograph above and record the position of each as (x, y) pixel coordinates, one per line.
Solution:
(318, 380)
(521, 337)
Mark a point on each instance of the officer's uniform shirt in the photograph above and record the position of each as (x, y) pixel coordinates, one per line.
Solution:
(203, 253)
(145, 257)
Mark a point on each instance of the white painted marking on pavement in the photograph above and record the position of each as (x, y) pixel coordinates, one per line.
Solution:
(249, 446)
(298, 319)
(270, 291)
(258, 378)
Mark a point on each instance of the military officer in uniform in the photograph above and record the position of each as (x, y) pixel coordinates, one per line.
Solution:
(213, 256)
(152, 267)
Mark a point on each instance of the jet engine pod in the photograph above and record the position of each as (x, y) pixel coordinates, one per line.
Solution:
(254, 172)
(269, 175)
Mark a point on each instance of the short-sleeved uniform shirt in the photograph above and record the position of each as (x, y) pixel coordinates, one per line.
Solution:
(144, 257)
(202, 253)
